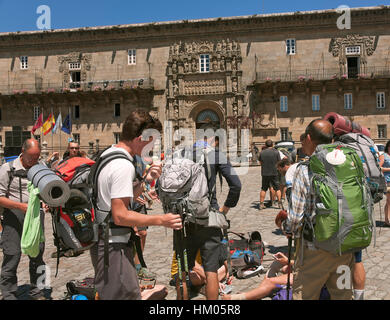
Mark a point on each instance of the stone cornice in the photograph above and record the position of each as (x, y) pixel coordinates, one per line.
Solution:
(171, 30)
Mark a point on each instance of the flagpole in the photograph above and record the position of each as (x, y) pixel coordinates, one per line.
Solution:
(43, 118)
(60, 130)
(70, 127)
(52, 138)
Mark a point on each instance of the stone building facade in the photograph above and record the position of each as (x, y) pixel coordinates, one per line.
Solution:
(271, 74)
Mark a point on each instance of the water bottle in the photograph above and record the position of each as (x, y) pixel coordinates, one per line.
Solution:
(79, 297)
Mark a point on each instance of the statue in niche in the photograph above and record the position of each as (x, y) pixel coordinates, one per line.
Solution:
(186, 66)
(175, 88)
(194, 66)
(176, 109)
(219, 46)
(235, 109)
(223, 46)
(215, 64)
(234, 45)
(229, 45)
(234, 85)
(222, 64)
(189, 48)
(234, 63)
(174, 67)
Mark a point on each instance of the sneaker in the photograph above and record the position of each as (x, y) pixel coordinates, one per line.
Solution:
(262, 206)
(250, 272)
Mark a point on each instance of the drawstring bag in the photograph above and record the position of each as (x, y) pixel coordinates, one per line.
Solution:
(33, 233)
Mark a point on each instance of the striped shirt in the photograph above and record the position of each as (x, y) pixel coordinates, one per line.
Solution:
(302, 198)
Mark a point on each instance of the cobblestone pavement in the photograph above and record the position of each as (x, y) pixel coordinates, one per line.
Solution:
(244, 218)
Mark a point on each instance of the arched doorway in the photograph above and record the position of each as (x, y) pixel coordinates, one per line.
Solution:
(208, 119)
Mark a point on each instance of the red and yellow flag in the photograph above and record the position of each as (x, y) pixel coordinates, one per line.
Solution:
(37, 124)
(48, 125)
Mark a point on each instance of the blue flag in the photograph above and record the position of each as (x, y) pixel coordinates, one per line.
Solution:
(67, 125)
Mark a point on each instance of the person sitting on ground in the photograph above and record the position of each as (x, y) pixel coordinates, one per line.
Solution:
(271, 282)
(197, 274)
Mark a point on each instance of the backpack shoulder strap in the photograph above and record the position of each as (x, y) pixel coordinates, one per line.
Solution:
(101, 162)
(11, 174)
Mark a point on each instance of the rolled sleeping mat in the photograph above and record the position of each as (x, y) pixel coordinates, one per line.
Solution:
(53, 190)
(342, 125)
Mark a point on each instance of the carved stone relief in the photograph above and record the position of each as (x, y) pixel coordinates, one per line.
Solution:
(223, 78)
(74, 57)
(367, 46)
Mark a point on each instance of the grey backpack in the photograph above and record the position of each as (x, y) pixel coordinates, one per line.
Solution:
(183, 188)
(369, 155)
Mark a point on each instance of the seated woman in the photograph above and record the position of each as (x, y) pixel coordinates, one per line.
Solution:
(271, 282)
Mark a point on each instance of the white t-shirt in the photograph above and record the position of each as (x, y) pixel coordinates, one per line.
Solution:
(115, 180)
(290, 174)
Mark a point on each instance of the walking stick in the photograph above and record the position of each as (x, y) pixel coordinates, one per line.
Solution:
(181, 256)
(289, 267)
(178, 259)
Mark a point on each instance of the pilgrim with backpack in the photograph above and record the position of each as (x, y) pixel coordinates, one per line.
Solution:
(330, 212)
(187, 186)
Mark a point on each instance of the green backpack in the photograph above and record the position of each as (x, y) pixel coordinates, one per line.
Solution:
(343, 219)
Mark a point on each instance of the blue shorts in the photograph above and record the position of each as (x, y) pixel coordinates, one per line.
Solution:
(358, 256)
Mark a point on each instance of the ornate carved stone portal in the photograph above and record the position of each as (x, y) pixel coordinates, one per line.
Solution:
(84, 61)
(204, 71)
(367, 45)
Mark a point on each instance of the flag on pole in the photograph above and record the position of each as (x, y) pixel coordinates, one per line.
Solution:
(58, 124)
(67, 125)
(37, 124)
(48, 125)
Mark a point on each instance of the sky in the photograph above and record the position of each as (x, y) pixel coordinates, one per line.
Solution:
(21, 15)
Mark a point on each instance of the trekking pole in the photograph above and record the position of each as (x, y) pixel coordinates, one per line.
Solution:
(178, 259)
(183, 246)
(181, 256)
(289, 267)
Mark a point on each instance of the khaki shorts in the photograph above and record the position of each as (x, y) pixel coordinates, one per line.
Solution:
(321, 268)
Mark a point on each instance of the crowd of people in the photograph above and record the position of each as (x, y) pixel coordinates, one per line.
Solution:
(125, 191)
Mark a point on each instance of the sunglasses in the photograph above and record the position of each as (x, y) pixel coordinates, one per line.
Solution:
(74, 148)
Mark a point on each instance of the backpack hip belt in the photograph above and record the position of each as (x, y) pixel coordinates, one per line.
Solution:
(116, 234)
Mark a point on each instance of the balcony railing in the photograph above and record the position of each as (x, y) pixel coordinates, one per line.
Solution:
(38, 87)
(322, 74)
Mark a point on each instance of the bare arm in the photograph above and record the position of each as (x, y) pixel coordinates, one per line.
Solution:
(10, 204)
(381, 162)
(128, 218)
